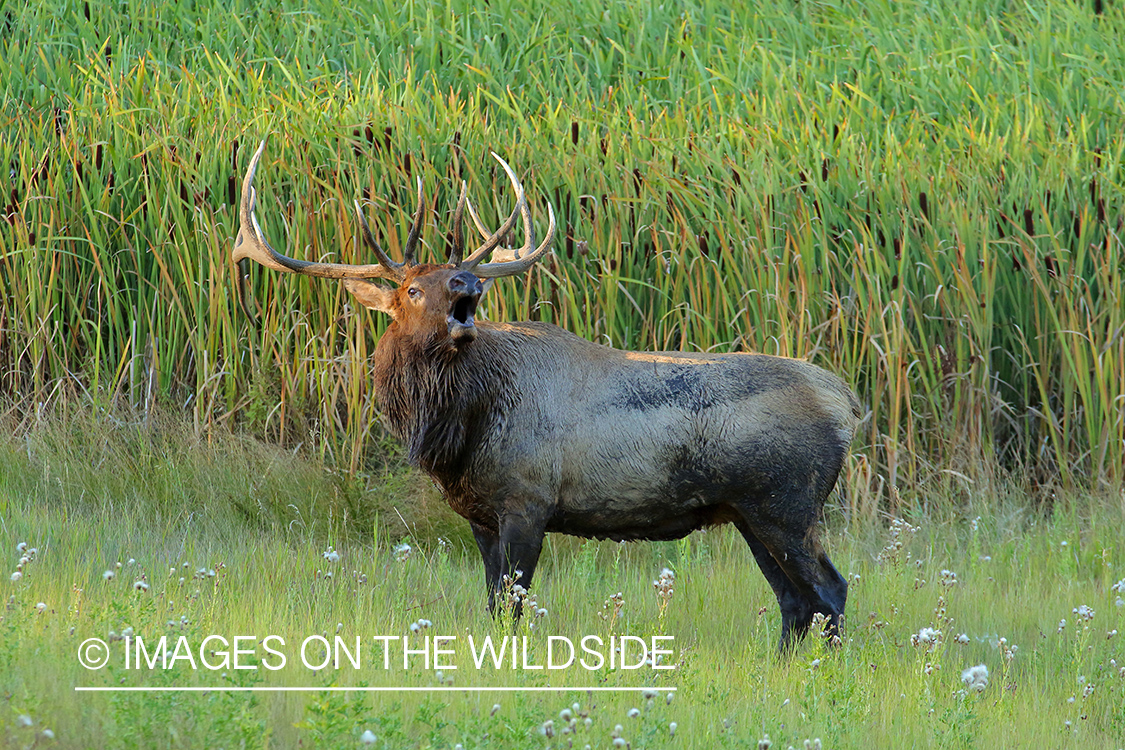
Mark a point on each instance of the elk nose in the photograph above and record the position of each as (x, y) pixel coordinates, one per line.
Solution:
(465, 282)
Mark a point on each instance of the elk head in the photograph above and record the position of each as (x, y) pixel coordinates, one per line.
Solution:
(430, 299)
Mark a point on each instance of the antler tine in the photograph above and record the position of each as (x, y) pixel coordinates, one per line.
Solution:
(513, 267)
(408, 253)
(398, 269)
(458, 232)
(476, 220)
(519, 264)
(491, 241)
(250, 244)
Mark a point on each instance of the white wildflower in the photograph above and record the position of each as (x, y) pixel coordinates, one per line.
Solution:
(368, 737)
(1083, 612)
(976, 678)
(15, 576)
(664, 585)
(929, 637)
(42, 607)
(331, 555)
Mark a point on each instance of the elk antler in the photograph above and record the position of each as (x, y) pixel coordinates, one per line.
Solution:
(251, 244)
(512, 263)
(398, 270)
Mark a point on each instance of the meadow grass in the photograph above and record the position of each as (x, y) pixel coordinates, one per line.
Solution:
(231, 562)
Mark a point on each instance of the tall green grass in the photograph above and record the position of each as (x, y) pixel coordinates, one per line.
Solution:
(925, 198)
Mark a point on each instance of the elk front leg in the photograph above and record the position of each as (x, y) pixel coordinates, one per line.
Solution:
(488, 542)
(521, 541)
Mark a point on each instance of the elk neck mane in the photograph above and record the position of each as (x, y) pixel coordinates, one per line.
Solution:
(443, 402)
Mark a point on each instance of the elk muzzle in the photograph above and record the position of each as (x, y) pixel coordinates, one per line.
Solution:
(465, 290)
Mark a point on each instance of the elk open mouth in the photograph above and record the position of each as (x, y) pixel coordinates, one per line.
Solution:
(462, 328)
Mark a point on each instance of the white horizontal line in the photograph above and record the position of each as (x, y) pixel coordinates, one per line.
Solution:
(285, 689)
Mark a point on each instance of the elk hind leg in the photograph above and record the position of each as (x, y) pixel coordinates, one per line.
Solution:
(793, 546)
(796, 609)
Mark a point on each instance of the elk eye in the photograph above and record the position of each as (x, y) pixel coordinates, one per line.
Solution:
(414, 292)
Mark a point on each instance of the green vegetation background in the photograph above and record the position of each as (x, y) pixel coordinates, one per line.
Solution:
(925, 198)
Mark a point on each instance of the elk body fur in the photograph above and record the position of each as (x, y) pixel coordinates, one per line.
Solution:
(529, 429)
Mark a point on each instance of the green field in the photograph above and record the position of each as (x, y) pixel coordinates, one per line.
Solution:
(926, 199)
(171, 509)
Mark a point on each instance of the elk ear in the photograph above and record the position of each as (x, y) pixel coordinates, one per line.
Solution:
(371, 295)
(485, 285)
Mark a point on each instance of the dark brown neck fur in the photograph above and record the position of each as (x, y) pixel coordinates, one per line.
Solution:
(442, 402)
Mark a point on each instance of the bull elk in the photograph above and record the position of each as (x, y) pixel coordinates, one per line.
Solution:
(528, 428)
